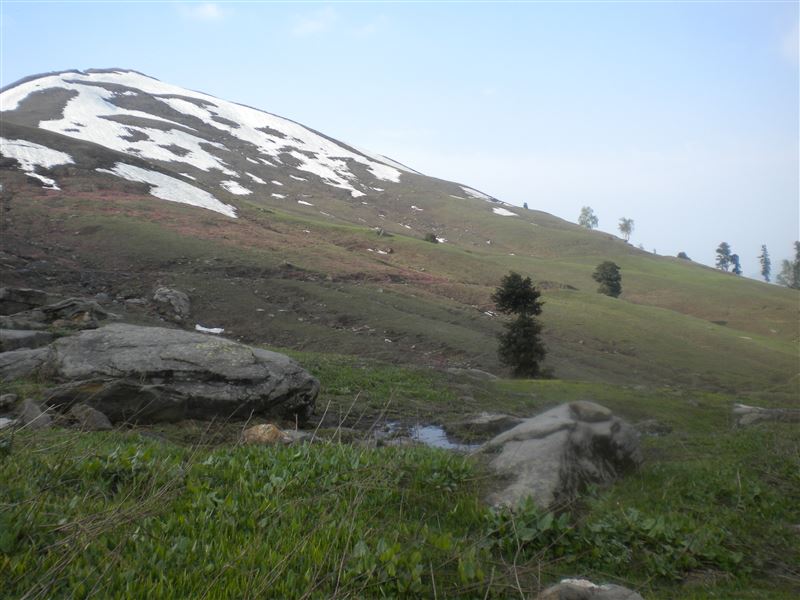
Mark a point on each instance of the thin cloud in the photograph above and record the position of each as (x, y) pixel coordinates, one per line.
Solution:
(316, 22)
(207, 11)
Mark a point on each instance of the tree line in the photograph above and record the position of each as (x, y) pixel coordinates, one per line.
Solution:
(726, 259)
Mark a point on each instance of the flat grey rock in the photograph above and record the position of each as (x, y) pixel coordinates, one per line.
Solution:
(129, 372)
(15, 339)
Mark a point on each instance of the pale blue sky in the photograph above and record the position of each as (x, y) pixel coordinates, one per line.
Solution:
(680, 115)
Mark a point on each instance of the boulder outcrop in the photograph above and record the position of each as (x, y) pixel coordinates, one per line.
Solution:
(551, 456)
(146, 374)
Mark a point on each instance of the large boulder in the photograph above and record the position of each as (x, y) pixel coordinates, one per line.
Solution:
(550, 457)
(133, 373)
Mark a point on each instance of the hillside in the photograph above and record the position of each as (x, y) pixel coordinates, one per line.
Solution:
(115, 182)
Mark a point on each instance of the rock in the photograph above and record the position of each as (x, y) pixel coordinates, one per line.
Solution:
(5, 422)
(589, 412)
(14, 339)
(32, 417)
(16, 322)
(89, 418)
(553, 455)
(135, 373)
(172, 303)
(653, 427)
(750, 415)
(265, 434)
(14, 300)
(22, 363)
(483, 425)
(7, 401)
(76, 313)
(72, 313)
(582, 589)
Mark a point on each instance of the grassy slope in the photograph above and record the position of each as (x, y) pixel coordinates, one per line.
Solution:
(676, 322)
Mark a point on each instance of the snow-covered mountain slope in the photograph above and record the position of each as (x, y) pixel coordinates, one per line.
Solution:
(202, 150)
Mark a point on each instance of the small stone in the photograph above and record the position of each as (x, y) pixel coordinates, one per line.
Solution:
(90, 419)
(32, 416)
(6, 422)
(7, 401)
(265, 434)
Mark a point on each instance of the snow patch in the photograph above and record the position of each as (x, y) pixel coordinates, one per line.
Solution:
(441, 240)
(234, 187)
(414, 207)
(281, 196)
(277, 182)
(503, 212)
(256, 178)
(188, 176)
(475, 193)
(214, 330)
(298, 178)
(304, 203)
(30, 155)
(170, 188)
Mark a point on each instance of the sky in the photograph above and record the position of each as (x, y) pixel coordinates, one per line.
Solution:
(682, 116)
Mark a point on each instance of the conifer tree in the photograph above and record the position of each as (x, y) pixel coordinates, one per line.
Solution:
(520, 345)
(737, 267)
(766, 264)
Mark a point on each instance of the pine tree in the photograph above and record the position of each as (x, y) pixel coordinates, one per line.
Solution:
(520, 346)
(766, 264)
(724, 256)
(737, 267)
(587, 218)
(608, 276)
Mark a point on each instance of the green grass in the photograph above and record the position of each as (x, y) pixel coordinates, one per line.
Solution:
(121, 515)
(118, 515)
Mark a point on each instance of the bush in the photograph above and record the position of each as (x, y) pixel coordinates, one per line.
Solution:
(608, 276)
